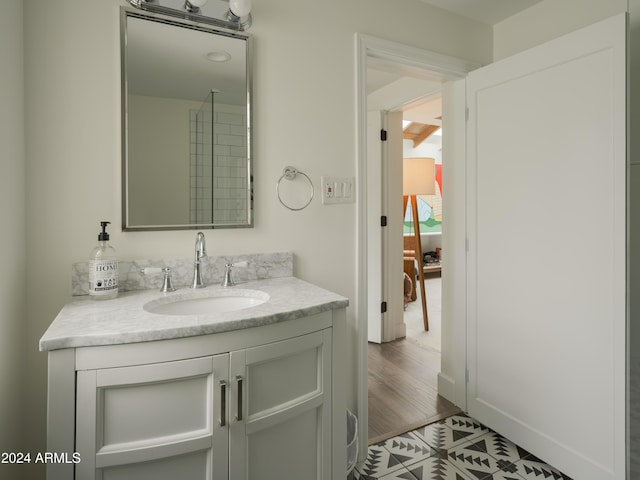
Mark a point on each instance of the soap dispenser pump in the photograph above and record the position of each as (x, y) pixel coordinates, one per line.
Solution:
(103, 268)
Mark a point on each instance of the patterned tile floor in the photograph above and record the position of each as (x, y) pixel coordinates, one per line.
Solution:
(456, 448)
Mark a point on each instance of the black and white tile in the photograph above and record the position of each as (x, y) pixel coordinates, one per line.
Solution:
(475, 462)
(534, 469)
(452, 431)
(456, 448)
(407, 448)
(500, 448)
(435, 468)
(379, 464)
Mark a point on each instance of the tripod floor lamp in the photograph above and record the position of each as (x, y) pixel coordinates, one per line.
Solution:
(418, 178)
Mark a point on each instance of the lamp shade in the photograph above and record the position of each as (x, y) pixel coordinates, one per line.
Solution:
(419, 176)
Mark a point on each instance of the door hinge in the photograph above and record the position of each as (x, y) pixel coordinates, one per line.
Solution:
(383, 307)
(383, 221)
(466, 375)
(383, 135)
(466, 114)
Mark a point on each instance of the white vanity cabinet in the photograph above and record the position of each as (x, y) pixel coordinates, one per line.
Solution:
(261, 403)
(152, 421)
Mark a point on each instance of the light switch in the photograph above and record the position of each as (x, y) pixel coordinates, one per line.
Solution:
(337, 190)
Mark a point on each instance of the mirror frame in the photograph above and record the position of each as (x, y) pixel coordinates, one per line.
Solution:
(127, 12)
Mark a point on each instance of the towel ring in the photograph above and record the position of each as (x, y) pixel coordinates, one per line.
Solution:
(290, 173)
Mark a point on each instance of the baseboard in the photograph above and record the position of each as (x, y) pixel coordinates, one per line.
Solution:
(400, 330)
(447, 387)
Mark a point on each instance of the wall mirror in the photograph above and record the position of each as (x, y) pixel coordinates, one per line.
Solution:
(186, 125)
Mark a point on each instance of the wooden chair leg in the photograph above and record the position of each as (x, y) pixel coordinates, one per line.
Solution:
(419, 257)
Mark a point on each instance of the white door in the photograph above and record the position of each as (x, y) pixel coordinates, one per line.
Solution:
(374, 234)
(384, 199)
(546, 261)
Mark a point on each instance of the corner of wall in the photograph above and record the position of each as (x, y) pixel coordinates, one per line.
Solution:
(13, 252)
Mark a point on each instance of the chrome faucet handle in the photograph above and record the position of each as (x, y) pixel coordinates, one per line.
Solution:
(228, 279)
(167, 284)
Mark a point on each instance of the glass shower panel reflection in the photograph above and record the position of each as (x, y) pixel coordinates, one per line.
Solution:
(218, 163)
(202, 162)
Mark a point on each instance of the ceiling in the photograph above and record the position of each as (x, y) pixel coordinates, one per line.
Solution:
(485, 11)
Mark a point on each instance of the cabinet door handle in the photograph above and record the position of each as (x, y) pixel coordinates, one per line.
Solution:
(239, 381)
(223, 403)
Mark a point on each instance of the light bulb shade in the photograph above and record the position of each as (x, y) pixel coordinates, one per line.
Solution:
(240, 8)
(198, 3)
(419, 176)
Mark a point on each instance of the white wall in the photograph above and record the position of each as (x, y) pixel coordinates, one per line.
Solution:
(547, 20)
(12, 231)
(425, 149)
(304, 81)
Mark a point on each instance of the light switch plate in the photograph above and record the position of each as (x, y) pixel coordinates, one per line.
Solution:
(338, 190)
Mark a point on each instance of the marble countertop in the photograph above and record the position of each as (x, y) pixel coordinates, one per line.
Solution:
(85, 322)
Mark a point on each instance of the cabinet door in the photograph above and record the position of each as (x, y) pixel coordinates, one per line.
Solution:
(280, 423)
(157, 421)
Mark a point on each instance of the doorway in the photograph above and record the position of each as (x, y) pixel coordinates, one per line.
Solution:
(422, 138)
(403, 371)
(426, 66)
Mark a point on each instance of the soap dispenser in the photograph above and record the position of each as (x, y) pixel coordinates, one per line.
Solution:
(103, 268)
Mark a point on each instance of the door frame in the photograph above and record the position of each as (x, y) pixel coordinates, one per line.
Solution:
(449, 68)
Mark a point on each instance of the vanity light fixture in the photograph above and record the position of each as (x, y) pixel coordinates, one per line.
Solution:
(240, 12)
(193, 6)
(230, 14)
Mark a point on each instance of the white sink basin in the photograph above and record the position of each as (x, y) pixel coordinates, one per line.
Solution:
(207, 303)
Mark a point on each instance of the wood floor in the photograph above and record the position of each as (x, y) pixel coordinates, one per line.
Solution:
(403, 389)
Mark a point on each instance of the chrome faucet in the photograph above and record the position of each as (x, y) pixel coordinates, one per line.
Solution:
(201, 251)
(228, 279)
